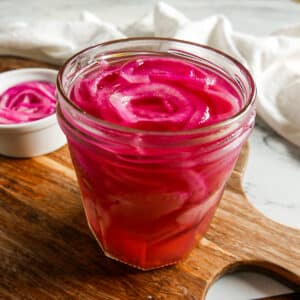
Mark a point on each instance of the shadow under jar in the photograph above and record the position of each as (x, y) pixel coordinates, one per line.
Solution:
(150, 195)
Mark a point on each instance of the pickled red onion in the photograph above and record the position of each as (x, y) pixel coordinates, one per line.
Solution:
(156, 93)
(27, 101)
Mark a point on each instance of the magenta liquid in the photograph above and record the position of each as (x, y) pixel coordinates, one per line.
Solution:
(148, 206)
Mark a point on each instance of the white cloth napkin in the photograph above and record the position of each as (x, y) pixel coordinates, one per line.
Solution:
(273, 60)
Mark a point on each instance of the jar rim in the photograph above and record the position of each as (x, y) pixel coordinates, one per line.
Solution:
(227, 122)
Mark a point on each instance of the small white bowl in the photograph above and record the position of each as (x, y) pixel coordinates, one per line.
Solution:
(31, 138)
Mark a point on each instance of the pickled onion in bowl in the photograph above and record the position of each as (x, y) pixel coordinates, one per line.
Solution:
(27, 101)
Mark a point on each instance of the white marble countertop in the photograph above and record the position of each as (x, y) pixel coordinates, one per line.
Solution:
(272, 177)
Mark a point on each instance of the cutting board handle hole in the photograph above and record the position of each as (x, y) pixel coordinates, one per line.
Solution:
(257, 283)
(272, 271)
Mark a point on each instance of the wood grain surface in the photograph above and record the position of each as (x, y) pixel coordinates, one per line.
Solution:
(48, 252)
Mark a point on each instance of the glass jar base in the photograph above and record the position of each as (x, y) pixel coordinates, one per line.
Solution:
(160, 253)
(109, 255)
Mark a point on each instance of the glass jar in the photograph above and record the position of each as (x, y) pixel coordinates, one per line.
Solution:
(149, 196)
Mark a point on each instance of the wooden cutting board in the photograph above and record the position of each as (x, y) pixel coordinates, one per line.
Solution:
(48, 252)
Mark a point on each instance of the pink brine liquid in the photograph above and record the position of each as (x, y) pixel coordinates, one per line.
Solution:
(144, 207)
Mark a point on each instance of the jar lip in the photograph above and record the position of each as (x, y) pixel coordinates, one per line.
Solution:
(109, 125)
